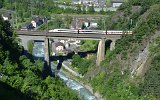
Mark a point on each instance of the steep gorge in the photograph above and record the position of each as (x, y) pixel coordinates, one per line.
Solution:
(126, 71)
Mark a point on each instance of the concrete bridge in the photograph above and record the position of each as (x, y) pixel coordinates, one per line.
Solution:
(100, 35)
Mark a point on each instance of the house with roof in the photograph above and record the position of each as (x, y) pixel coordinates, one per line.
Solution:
(90, 25)
(7, 16)
(27, 26)
(68, 52)
(101, 3)
(59, 46)
(90, 2)
(116, 3)
(77, 2)
(37, 21)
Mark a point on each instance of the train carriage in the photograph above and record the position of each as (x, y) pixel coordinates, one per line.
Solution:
(80, 31)
(112, 32)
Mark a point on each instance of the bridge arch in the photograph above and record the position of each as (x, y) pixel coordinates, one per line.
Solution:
(103, 45)
(107, 44)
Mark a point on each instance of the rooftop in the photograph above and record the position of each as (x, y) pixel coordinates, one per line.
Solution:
(59, 44)
(117, 1)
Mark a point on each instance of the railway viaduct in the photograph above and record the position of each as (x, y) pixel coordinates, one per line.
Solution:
(102, 37)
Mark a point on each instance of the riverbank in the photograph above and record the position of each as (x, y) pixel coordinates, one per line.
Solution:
(83, 83)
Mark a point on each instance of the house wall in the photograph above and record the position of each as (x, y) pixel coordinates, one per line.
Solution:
(59, 48)
(116, 4)
(34, 23)
(93, 24)
(86, 24)
(5, 18)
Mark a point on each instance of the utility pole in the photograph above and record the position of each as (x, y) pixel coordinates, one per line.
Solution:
(130, 26)
(131, 22)
(76, 23)
(104, 23)
(47, 26)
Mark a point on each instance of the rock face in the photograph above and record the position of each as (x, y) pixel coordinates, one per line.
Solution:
(140, 65)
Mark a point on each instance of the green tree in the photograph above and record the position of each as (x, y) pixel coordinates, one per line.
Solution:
(91, 9)
(68, 21)
(1, 3)
(20, 73)
(11, 47)
(30, 46)
(79, 9)
(89, 45)
(84, 9)
(102, 11)
(76, 59)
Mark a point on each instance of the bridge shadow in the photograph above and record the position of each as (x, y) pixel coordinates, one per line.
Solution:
(46, 67)
(60, 60)
(107, 45)
(83, 54)
(47, 70)
(31, 56)
(59, 66)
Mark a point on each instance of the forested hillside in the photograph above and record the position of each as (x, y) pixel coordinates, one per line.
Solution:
(119, 80)
(22, 78)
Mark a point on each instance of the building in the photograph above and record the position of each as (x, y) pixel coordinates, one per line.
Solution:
(27, 26)
(100, 3)
(93, 24)
(116, 3)
(38, 21)
(34, 23)
(7, 16)
(77, 2)
(68, 52)
(90, 25)
(73, 41)
(59, 47)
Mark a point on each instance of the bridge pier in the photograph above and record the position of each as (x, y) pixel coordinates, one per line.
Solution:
(101, 51)
(112, 45)
(47, 52)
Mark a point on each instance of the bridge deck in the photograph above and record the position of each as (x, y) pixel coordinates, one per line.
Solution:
(92, 36)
